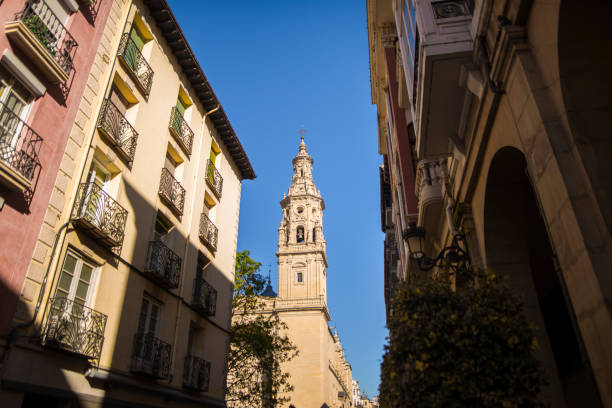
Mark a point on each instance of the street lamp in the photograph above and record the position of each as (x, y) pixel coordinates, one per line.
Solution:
(454, 256)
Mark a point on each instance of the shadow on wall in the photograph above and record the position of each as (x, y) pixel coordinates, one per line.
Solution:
(17, 365)
(153, 326)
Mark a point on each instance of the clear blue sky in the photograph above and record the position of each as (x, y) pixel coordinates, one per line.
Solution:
(277, 65)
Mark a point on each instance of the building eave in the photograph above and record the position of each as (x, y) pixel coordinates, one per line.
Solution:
(170, 29)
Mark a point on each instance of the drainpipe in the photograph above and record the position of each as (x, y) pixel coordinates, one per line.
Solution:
(210, 112)
(484, 60)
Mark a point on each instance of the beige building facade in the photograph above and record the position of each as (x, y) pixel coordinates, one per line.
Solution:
(128, 296)
(320, 374)
(506, 106)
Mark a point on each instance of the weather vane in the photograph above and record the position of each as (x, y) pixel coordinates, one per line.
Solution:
(302, 132)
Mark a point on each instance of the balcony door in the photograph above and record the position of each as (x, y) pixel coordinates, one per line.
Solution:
(14, 108)
(148, 328)
(95, 208)
(69, 317)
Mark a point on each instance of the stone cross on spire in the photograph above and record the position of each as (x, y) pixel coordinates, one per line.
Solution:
(302, 132)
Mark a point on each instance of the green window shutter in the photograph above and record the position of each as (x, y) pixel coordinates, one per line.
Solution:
(180, 106)
(136, 36)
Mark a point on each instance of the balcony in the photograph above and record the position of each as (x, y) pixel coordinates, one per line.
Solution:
(214, 179)
(208, 232)
(19, 148)
(151, 356)
(117, 131)
(74, 328)
(428, 189)
(204, 297)
(97, 213)
(171, 192)
(136, 64)
(196, 374)
(163, 265)
(445, 48)
(44, 39)
(181, 130)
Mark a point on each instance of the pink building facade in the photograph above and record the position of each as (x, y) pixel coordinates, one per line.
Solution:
(47, 50)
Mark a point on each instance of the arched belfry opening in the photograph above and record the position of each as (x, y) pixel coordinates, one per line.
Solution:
(518, 247)
(299, 235)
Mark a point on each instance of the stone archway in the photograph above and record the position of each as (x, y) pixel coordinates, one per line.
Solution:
(517, 246)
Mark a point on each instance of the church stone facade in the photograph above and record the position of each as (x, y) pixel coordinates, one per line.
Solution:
(320, 374)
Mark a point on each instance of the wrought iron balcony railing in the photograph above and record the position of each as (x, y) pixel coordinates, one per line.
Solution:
(75, 328)
(204, 297)
(116, 128)
(163, 265)
(136, 63)
(100, 215)
(171, 191)
(196, 374)
(208, 232)
(19, 147)
(181, 130)
(214, 179)
(38, 17)
(151, 356)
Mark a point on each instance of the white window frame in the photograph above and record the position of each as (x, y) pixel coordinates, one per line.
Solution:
(80, 261)
(7, 84)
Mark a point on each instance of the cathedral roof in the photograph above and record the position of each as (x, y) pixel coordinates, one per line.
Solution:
(269, 292)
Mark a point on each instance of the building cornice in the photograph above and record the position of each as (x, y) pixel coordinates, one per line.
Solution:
(170, 29)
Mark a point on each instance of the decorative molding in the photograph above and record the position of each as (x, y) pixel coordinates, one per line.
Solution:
(449, 9)
(388, 35)
(20, 71)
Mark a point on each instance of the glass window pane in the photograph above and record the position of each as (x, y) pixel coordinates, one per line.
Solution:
(86, 271)
(81, 291)
(69, 264)
(65, 281)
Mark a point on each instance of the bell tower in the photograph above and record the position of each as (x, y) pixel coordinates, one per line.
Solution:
(302, 260)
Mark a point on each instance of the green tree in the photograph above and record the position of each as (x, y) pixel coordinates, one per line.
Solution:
(469, 347)
(258, 346)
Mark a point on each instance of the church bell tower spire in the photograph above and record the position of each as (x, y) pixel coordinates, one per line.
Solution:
(302, 259)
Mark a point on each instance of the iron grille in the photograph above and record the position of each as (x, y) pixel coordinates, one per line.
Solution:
(118, 130)
(151, 356)
(181, 130)
(163, 265)
(38, 17)
(208, 232)
(196, 374)
(136, 63)
(99, 214)
(204, 297)
(214, 179)
(75, 328)
(172, 191)
(19, 144)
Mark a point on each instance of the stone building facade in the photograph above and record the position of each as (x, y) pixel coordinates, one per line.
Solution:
(494, 116)
(127, 299)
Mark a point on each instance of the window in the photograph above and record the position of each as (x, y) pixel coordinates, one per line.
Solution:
(76, 279)
(314, 235)
(162, 228)
(117, 98)
(300, 234)
(15, 107)
(299, 277)
(150, 315)
(137, 38)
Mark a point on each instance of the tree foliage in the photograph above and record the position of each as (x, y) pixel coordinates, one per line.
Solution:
(258, 346)
(470, 347)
